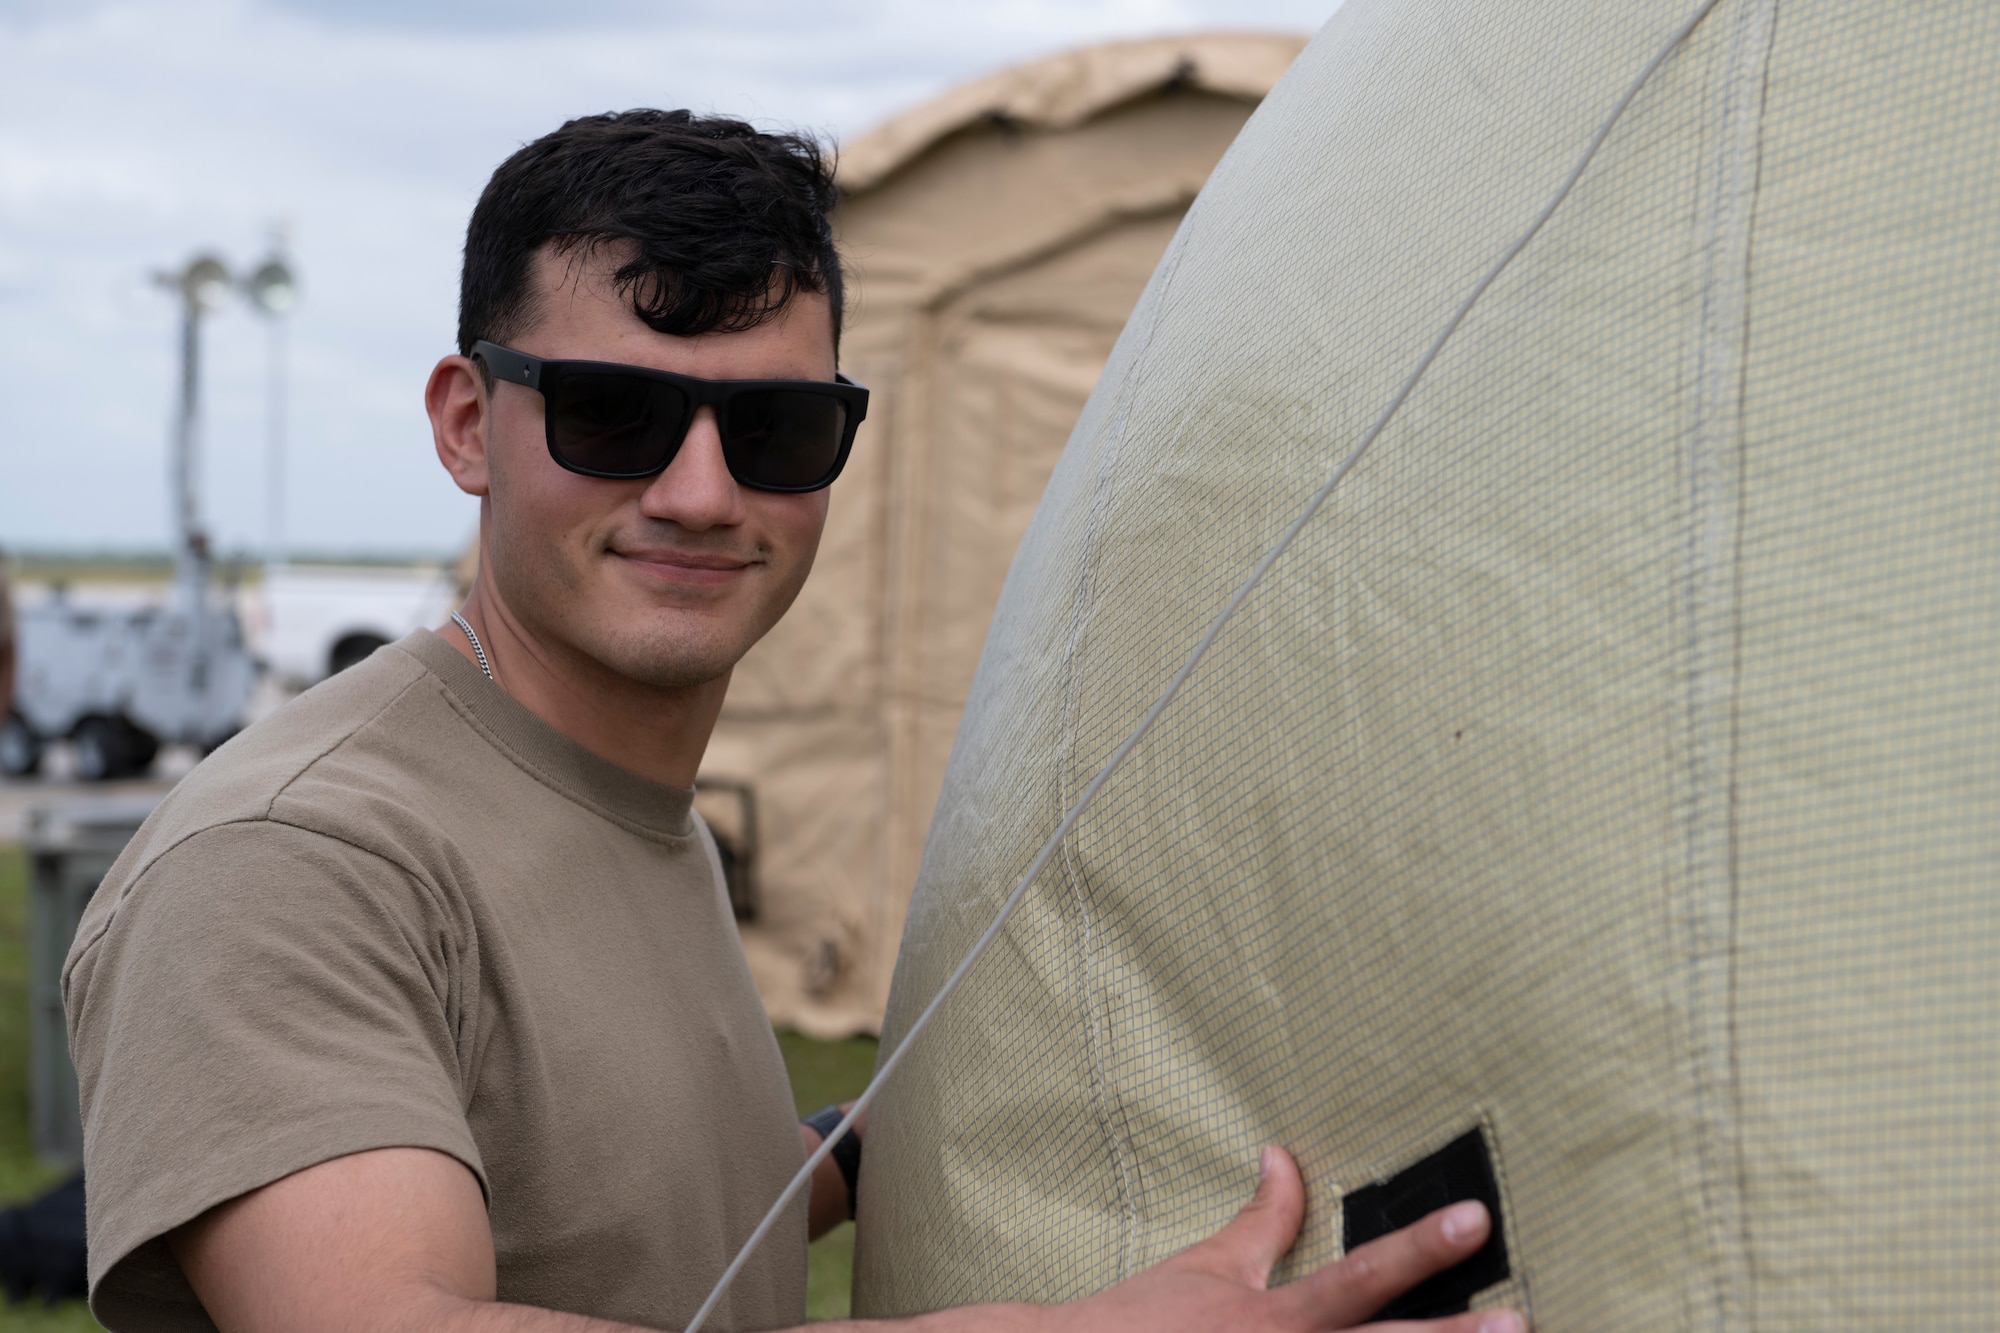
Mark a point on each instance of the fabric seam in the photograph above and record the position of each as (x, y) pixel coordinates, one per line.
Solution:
(1713, 574)
(1073, 877)
(146, 866)
(423, 881)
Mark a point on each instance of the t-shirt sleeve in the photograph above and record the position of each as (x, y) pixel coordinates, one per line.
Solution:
(259, 999)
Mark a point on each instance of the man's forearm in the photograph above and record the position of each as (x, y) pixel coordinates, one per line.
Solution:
(456, 1315)
(461, 1316)
(964, 1319)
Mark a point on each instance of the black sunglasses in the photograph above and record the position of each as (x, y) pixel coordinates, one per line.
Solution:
(608, 420)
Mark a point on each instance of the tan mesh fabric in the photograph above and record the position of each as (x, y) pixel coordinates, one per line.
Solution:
(1610, 767)
(996, 240)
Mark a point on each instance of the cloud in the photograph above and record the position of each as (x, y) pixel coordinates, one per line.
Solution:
(134, 134)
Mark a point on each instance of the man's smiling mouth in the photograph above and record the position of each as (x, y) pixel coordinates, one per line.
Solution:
(681, 566)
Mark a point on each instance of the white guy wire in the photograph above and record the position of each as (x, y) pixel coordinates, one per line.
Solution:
(1201, 647)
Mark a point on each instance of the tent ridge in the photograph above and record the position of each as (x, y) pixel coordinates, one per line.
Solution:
(1065, 90)
(1106, 214)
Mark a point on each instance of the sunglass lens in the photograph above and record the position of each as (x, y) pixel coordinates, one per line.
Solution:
(785, 439)
(616, 425)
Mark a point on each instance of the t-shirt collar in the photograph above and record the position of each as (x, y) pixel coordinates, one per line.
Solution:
(553, 758)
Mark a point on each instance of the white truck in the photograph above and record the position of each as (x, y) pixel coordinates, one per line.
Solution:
(117, 682)
(119, 677)
(321, 619)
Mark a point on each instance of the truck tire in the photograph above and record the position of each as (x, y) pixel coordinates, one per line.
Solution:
(113, 747)
(142, 747)
(351, 650)
(20, 747)
(100, 749)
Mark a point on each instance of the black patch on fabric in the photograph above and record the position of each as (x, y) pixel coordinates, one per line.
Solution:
(1462, 1169)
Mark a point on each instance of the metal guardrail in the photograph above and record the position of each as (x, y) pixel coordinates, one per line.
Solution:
(70, 848)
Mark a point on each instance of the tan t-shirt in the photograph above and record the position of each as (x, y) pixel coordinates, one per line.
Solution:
(403, 911)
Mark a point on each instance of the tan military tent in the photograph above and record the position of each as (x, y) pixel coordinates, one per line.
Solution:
(1597, 806)
(997, 239)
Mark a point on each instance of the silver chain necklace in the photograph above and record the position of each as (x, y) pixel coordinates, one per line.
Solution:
(477, 651)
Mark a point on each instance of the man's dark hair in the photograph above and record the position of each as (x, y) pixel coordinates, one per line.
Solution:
(725, 224)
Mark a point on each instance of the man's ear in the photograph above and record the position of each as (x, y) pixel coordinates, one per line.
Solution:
(459, 402)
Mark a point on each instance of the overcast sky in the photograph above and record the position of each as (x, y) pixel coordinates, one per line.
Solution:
(134, 134)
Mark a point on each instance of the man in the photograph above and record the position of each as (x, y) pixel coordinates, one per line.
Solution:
(419, 1005)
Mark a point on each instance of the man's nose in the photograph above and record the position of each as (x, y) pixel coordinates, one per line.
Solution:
(696, 490)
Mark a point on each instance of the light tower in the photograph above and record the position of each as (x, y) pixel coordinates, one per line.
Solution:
(202, 286)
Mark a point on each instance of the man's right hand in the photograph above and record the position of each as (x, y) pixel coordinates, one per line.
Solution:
(1221, 1283)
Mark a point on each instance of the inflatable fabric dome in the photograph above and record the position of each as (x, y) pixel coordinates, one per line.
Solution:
(1598, 806)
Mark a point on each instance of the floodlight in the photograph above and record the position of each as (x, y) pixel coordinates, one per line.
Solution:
(272, 289)
(205, 283)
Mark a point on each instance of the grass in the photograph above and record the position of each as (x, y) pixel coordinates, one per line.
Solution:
(821, 1072)
(824, 1072)
(158, 566)
(21, 1176)
(92, 566)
